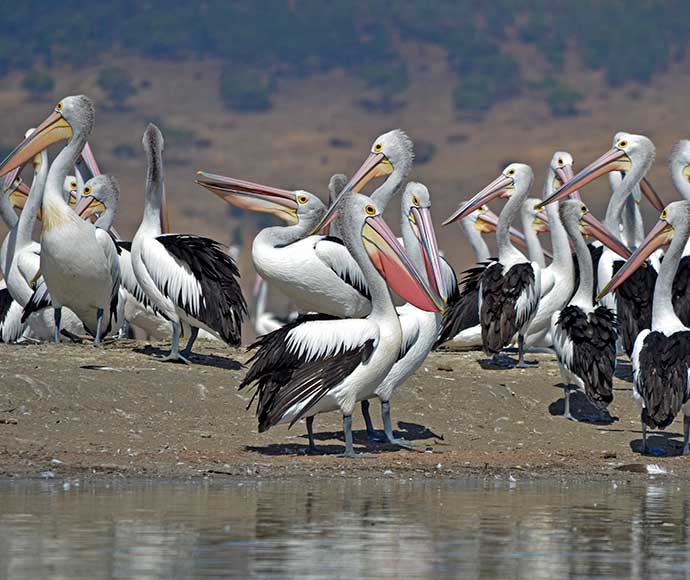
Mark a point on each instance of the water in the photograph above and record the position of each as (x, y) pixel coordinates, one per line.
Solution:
(344, 529)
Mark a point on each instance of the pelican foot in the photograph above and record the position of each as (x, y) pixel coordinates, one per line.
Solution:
(174, 358)
(568, 416)
(527, 364)
(402, 443)
(354, 455)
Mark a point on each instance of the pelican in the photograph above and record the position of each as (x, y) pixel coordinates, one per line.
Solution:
(315, 366)
(78, 261)
(510, 286)
(188, 279)
(460, 323)
(533, 224)
(584, 337)
(633, 155)
(661, 354)
(419, 327)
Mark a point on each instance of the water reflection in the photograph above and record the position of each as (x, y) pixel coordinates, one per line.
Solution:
(344, 529)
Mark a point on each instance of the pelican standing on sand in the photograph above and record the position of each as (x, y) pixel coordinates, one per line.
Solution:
(509, 287)
(78, 261)
(314, 366)
(187, 279)
(584, 337)
(661, 356)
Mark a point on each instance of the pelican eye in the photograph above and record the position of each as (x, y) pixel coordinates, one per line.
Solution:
(583, 208)
(370, 209)
(58, 107)
(560, 162)
(622, 144)
(510, 172)
(415, 200)
(87, 190)
(664, 214)
(302, 199)
(73, 185)
(378, 147)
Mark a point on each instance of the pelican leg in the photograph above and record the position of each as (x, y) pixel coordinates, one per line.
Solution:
(686, 435)
(174, 355)
(644, 438)
(58, 317)
(99, 325)
(312, 449)
(349, 448)
(192, 337)
(566, 407)
(388, 426)
(372, 434)
(522, 363)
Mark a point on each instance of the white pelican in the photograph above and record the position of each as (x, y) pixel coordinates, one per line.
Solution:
(188, 279)
(78, 261)
(661, 356)
(317, 273)
(584, 337)
(419, 327)
(534, 224)
(509, 287)
(265, 322)
(633, 155)
(315, 366)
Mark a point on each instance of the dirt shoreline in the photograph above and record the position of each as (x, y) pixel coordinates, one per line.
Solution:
(75, 411)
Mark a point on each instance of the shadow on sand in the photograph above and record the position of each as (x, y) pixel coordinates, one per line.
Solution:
(207, 360)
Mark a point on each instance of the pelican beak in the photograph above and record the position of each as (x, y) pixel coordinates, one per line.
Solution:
(88, 207)
(613, 160)
(90, 161)
(165, 215)
(489, 223)
(252, 196)
(55, 128)
(541, 223)
(661, 234)
(650, 193)
(496, 188)
(376, 165)
(423, 228)
(18, 193)
(564, 175)
(393, 263)
(591, 226)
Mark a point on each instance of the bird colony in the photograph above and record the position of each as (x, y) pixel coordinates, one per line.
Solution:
(369, 305)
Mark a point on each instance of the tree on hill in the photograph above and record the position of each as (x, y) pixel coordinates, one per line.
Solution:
(117, 84)
(38, 84)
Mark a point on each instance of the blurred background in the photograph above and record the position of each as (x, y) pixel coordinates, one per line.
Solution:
(287, 92)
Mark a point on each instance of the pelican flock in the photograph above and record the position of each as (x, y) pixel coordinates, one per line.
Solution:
(367, 306)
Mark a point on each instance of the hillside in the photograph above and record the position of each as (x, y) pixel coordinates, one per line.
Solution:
(317, 128)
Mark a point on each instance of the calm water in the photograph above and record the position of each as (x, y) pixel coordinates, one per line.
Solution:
(344, 529)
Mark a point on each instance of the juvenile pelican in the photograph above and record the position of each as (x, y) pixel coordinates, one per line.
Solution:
(315, 366)
(78, 261)
(509, 287)
(188, 279)
(661, 356)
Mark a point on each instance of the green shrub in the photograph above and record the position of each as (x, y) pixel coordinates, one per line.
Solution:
(117, 84)
(244, 90)
(38, 84)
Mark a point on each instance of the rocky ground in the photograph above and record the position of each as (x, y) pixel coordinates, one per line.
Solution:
(73, 410)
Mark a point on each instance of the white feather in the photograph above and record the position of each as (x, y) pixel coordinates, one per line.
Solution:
(323, 338)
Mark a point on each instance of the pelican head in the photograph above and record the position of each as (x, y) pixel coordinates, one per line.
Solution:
(15, 189)
(679, 165)
(289, 206)
(71, 115)
(629, 152)
(70, 189)
(361, 222)
(560, 172)
(335, 185)
(573, 211)
(390, 152)
(99, 198)
(674, 219)
(515, 177)
(538, 220)
(416, 207)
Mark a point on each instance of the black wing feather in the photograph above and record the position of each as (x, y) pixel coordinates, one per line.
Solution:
(681, 291)
(634, 303)
(284, 378)
(594, 350)
(663, 376)
(358, 285)
(500, 293)
(223, 307)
